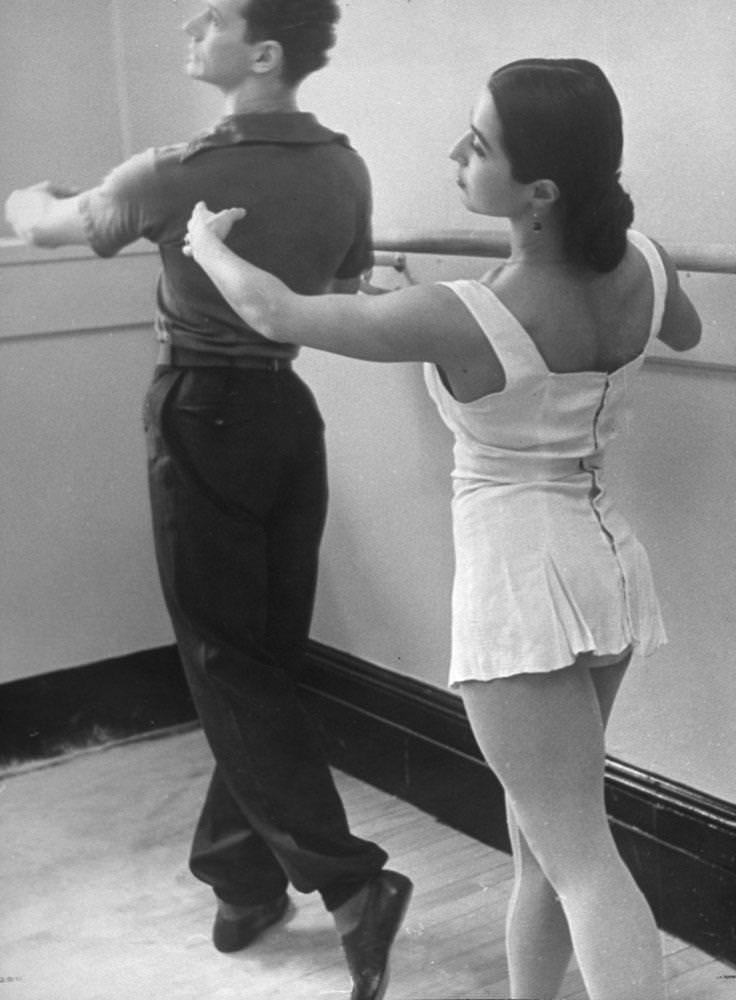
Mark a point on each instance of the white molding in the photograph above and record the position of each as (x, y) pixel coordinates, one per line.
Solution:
(80, 292)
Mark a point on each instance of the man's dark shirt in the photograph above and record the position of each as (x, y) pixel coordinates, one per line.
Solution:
(308, 201)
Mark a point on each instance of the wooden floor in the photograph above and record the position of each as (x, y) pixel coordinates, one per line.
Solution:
(98, 903)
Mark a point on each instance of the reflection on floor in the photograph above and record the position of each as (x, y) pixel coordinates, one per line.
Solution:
(98, 903)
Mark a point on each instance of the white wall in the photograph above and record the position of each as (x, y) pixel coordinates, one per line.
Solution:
(78, 580)
(413, 85)
(77, 574)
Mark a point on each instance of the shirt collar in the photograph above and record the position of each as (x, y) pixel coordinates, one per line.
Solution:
(286, 128)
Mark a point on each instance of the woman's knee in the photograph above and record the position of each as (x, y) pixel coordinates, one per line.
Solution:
(575, 856)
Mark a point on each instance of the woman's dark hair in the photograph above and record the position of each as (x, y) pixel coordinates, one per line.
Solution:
(561, 121)
(305, 29)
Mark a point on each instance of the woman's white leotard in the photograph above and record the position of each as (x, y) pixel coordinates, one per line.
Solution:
(546, 568)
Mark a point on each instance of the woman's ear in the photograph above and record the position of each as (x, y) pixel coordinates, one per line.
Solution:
(545, 193)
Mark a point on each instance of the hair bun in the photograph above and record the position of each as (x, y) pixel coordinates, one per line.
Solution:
(597, 226)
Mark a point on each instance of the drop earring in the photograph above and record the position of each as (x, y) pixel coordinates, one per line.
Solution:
(536, 224)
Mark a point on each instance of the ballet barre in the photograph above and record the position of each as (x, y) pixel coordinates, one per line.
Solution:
(391, 249)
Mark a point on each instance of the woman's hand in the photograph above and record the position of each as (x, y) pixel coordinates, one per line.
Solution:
(204, 225)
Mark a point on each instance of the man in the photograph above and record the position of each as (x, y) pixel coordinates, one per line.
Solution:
(236, 462)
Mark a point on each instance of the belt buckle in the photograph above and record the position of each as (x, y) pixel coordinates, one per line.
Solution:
(164, 353)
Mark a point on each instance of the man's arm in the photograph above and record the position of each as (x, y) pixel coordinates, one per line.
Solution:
(46, 216)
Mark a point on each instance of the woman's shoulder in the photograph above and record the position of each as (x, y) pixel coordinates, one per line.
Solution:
(644, 255)
(479, 297)
(642, 274)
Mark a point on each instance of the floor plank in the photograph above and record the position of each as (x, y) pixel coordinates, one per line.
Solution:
(98, 903)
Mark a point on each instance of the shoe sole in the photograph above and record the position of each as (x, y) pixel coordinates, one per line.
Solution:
(384, 983)
(231, 941)
(407, 884)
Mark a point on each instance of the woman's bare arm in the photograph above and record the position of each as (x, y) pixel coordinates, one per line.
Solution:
(681, 326)
(422, 323)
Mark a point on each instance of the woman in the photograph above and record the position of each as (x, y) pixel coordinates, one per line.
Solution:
(529, 367)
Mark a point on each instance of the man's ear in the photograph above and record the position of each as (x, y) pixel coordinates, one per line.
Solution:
(269, 57)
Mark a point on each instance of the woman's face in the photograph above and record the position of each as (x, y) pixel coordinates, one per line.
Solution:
(484, 170)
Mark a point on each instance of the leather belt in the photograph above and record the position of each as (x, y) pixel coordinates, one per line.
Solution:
(183, 357)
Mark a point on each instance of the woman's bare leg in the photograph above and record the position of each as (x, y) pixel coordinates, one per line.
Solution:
(538, 940)
(542, 734)
(538, 944)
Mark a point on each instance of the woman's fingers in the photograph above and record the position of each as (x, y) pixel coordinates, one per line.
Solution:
(218, 223)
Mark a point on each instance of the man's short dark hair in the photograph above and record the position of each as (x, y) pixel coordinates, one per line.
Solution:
(305, 29)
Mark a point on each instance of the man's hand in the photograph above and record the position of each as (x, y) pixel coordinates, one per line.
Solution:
(27, 209)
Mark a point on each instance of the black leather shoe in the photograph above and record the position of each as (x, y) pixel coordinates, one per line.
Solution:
(232, 934)
(367, 946)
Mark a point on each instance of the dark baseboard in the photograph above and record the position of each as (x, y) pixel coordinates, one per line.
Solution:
(413, 741)
(49, 714)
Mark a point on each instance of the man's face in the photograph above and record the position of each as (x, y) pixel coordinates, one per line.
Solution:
(218, 51)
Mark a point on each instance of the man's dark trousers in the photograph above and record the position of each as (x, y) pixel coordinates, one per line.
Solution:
(238, 493)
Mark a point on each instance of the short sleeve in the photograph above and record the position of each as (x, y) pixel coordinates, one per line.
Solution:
(359, 257)
(124, 207)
